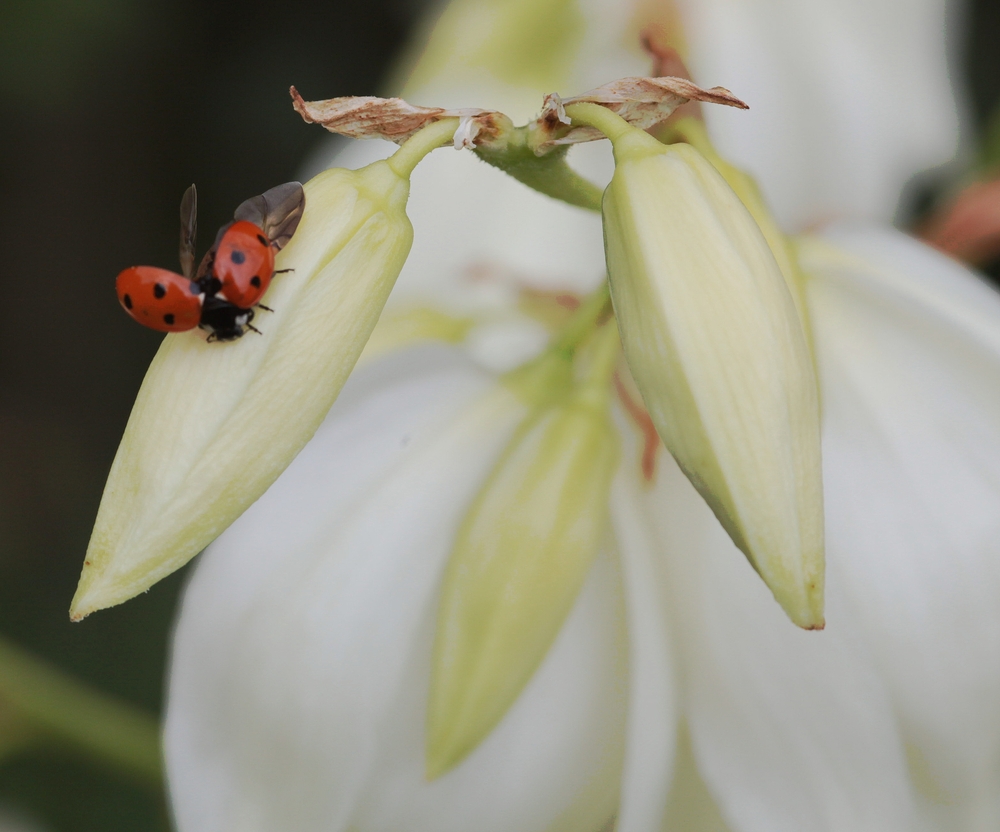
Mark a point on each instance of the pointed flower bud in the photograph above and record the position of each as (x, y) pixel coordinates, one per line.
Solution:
(714, 342)
(693, 132)
(214, 424)
(520, 559)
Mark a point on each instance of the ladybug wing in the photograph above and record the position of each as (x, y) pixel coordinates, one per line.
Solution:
(276, 212)
(189, 230)
(205, 269)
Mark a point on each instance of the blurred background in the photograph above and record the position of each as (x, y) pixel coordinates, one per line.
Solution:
(109, 109)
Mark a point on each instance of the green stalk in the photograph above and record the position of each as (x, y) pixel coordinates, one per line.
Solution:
(583, 320)
(434, 135)
(549, 173)
(51, 706)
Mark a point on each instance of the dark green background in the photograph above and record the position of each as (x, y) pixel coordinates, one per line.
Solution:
(110, 108)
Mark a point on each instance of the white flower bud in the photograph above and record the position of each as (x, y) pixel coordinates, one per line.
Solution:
(714, 342)
(520, 558)
(214, 424)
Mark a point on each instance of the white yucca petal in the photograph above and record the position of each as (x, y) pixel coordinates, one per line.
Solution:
(908, 344)
(215, 423)
(838, 92)
(303, 653)
(715, 345)
(791, 730)
(479, 235)
(838, 121)
(654, 706)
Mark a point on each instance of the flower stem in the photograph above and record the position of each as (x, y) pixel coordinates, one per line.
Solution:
(601, 360)
(58, 708)
(583, 320)
(549, 173)
(415, 148)
(603, 355)
(610, 124)
(549, 375)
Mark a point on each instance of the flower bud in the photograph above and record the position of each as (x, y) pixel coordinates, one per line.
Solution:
(520, 559)
(714, 342)
(214, 424)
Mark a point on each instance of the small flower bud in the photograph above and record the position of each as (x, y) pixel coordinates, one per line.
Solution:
(214, 424)
(714, 342)
(520, 559)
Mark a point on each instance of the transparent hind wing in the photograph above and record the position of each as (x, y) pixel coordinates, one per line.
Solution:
(276, 211)
(189, 230)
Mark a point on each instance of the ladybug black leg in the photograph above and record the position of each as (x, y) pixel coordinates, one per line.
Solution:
(251, 326)
(265, 308)
(284, 271)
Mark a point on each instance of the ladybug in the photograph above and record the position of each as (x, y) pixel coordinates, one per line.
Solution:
(232, 278)
(244, 263)
(160, 299)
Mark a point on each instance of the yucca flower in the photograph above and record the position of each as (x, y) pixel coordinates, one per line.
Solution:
(675, 695)
(299, 693)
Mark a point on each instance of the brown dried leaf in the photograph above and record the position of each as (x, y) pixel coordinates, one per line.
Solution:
(368, 117)
(642, 102)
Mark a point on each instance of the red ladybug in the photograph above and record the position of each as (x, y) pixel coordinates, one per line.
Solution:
(244, 263)
(232, 278)
(160, 299)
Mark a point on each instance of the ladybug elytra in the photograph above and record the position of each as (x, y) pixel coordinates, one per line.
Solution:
(232, 278)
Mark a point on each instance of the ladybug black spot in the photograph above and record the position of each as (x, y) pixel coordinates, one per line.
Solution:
(262, 239)
(168, 319)
(127, 301)
(159, 290)
(255, 282)
(237, 257)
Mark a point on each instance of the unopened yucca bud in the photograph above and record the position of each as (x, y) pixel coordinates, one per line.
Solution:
(519, 561)
(714, 342)
(214, 424)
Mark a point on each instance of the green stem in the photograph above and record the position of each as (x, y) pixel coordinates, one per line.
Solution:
(610, 124)
(549, 174)
(630, 143)
(59, 708)
(583, 320)
(415, 148)
(602, 358)
(603, 355)
(549, 375)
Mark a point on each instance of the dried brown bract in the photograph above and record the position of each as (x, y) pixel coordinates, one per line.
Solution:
(368, 117)
(642, 102)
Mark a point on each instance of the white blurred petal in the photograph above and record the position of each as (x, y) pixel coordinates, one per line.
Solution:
(791, 730)
(651, 729)
(690, 807)
(908, 343)
(848, 98)
(479, 235)
(554, 761)
(301, 657)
